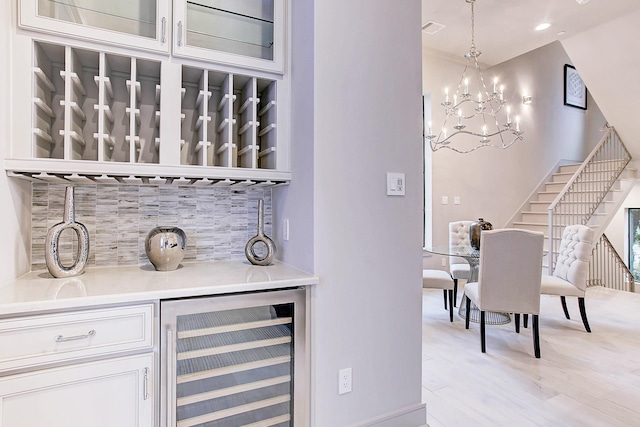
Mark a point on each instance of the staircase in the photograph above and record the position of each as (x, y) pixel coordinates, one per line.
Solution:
(584, 193)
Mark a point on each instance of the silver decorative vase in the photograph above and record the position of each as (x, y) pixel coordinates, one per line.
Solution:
(261, 239)
(165, 247)
(51, 248)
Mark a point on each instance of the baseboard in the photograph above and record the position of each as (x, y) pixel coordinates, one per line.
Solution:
(409, 416)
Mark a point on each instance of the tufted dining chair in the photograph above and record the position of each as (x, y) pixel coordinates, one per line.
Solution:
(459, 267)
(440, 279)
(571, 272)
(509, 278)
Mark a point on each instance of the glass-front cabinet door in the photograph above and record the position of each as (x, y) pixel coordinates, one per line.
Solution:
(248, 33)
(135, 23)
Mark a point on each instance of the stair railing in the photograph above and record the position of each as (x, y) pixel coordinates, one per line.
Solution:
(581, 196)
(608, 269)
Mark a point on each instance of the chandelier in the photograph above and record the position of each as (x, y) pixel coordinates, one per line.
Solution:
(481, 113)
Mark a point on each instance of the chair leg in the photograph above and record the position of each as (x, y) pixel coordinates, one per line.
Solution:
(455, 292)
(563, 300)
(450, 292)
(525, 320)
(468, 306)
(583, 313)
(516, 320)
(444, 292)
(536, 337)
(482, 335)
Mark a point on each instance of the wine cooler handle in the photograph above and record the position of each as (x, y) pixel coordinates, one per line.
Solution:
(179, 33)
(171, 378)
(163, 37)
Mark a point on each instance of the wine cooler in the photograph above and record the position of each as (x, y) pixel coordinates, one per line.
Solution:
(237, 360)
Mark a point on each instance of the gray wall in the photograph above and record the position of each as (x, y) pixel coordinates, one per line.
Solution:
(494, 183)
(357, 116)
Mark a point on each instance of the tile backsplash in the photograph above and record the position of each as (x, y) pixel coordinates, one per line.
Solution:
(218, 221)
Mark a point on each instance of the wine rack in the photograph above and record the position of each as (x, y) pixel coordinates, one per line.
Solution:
(99, 116)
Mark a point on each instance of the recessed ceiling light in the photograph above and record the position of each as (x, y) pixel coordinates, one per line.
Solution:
(543, 26)
(561, 33)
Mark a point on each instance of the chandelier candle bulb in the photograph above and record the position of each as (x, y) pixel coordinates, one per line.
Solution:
(484, 130)
(495, 84)
(459, 116)
(501, 92)
(466, 86)
(446, 95)
(508, 115)
(517, 123)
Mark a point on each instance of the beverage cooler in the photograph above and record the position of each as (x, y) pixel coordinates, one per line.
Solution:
(234, 360)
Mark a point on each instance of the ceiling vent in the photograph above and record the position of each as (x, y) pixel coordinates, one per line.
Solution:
(432, 27)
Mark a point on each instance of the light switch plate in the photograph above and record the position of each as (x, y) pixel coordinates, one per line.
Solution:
(395, 184)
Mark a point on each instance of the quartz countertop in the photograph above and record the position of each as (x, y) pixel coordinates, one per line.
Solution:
(39, 291)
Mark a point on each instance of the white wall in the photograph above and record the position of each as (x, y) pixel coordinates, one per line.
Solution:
(362, 120)
(607, 59)
(14, 194)
(494, 183)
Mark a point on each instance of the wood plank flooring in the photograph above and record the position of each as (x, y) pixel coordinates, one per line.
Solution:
(581, 379)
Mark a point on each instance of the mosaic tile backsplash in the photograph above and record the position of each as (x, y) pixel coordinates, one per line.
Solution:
(218, 221)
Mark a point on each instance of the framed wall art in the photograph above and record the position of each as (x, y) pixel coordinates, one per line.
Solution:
(575, 92)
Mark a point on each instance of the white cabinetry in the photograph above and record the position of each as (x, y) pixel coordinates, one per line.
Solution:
(93, 367)
(215, 112)
(245, 33)
(134, 23)
(114, 392)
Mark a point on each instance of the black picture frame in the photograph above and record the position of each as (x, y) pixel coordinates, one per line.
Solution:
(575, 91)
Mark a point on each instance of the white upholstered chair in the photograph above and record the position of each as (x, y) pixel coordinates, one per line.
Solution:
(509, 278)
(459, 267)
(571, 272)
(439, 279)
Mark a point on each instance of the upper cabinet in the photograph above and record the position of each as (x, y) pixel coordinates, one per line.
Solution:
(133, 23)
(246, 33)
(180, 92)
(249, 33)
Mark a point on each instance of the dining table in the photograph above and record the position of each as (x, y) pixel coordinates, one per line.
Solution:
(472, 256)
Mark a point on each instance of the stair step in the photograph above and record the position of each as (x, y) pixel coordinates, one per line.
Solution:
(569, 168)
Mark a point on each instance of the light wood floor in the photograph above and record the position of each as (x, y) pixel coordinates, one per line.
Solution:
(582, 379)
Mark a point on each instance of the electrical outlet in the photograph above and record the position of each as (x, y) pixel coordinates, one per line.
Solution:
(443, 262)
(344, 381)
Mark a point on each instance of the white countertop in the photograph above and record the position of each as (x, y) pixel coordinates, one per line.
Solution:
(39, 291)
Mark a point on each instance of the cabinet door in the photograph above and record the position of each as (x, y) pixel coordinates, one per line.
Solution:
(247, 33)
(135, 23)
(115, 392)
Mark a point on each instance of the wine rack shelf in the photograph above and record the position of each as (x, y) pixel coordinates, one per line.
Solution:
(105, 117)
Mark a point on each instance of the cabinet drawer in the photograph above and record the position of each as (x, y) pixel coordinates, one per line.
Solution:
(34, 340)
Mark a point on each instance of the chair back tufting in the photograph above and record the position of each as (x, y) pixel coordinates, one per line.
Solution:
(459, 236)
(574, 254)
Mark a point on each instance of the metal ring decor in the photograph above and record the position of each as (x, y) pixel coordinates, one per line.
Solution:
(249, 250)
(52, 254)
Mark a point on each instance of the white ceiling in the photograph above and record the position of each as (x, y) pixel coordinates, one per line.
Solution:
(504, 29)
